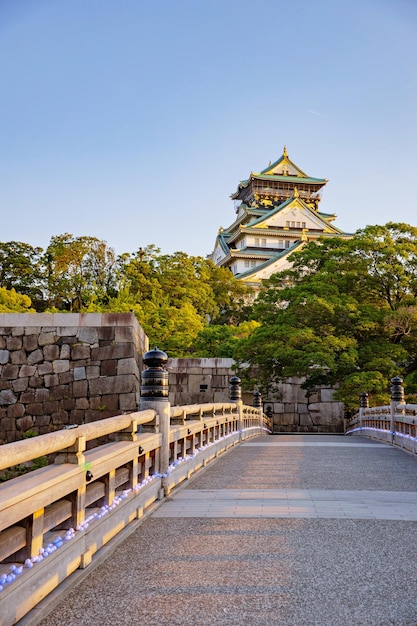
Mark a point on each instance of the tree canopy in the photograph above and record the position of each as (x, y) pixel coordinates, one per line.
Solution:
(174, 296)
(344, 315)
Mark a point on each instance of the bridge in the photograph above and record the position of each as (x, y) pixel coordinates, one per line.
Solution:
(305, 529)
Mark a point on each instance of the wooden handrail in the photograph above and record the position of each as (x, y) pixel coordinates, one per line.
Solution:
(26, 450)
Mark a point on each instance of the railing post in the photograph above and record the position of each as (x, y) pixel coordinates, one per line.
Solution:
(235, 395)
(154, 393)
(363, 404)
(397, 397)
(257, 403)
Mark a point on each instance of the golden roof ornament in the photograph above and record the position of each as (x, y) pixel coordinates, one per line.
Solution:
(285, 153)
(296, 194)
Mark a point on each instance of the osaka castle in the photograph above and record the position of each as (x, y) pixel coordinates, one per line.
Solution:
(277, 211)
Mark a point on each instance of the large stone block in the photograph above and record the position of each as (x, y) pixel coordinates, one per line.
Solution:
(21, 384)
(219, 381)
(14, 343)
(36, 381)
(79, 373)
(66, 377)
(116, 384)
(80, 351)
(51, 380)
(288, 419)
(108, 368)
(50, 407)
(46, 339)
(327, 412)
(44, 368)
(18, 357)
(87, 335)
(80, 389)
(67, 404)
(15, 410)
(4, 356)
(35, 357)
(59, 418)
(27, 370)
(59, 392)
(7, 423)
(106, 333)
(30, 342)
(196, 381)
(60, 366)
(95, 403)
(42, 395)
(127, 366)
(67, 331)
(306, 420)
(77, 417)
(10, 372)
(32, 330)
(42, 420)
(124, 334)
(82, 403)
(327, 395)
(35, 408)
(92, 371)
(128, 402)
(110, 403)
(65, 352)
(292, 393)
(116, 351)
(24, 423)
(51, 352)
(27, 397)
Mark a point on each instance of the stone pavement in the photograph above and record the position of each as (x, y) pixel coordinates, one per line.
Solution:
(288, 530)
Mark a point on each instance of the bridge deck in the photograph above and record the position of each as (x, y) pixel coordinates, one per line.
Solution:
(287, 530)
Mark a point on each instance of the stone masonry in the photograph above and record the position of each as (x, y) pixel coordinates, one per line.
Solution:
(194, 381)
(67, 368)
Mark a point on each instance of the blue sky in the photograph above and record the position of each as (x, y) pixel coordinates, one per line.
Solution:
(134, 121)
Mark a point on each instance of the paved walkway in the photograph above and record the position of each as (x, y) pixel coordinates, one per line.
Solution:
(289, 530)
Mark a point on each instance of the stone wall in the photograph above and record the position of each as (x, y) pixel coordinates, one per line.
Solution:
(59, 369)
(294, 410)
(194, 381)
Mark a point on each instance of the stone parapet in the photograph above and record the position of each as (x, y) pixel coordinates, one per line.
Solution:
(60, 369)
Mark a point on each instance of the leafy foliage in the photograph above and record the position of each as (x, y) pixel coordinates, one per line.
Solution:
(345, 314)
(13, 302)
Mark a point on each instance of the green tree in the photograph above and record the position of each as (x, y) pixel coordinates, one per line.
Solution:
(21, 269)
(80, 272)
(13, 302)
(176, 296)
(345, 314)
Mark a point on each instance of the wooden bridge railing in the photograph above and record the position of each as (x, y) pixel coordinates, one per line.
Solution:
(53, 520)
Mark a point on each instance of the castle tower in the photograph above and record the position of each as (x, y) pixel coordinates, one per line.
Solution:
(277, 211)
